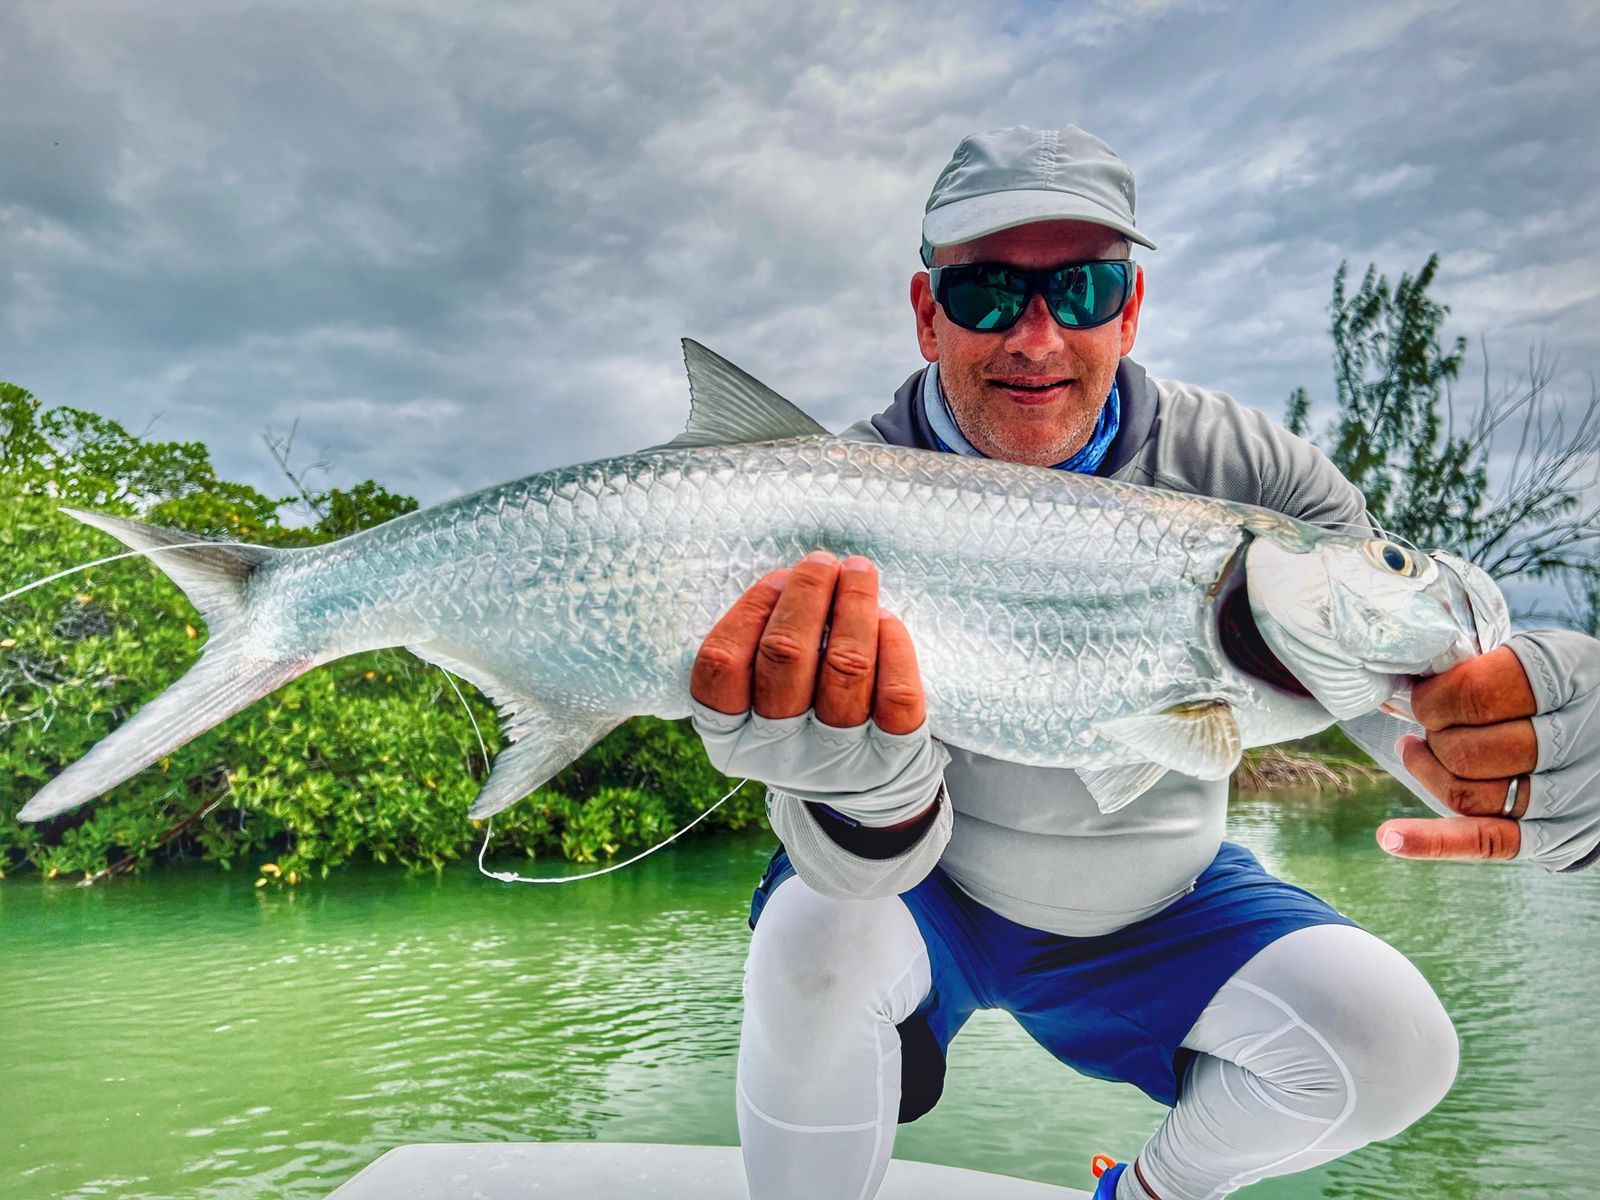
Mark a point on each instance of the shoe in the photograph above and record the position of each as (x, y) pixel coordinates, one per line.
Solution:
(1107, 1171)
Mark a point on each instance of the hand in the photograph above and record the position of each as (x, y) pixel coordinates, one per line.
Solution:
(1529, 712)
(766, 652)
(844, 726)
(1479, 739)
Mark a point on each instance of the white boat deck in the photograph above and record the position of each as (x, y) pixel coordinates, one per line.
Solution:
(611, 1171)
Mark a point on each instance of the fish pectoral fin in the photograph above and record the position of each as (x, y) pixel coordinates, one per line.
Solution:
(1115, 787)
(542, 734)
(1200, 738)
(728, 407)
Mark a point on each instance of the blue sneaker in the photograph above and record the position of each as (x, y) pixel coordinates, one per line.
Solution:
(1107, 1171)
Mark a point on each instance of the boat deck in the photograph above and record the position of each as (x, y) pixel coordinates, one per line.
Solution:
(611, 1171)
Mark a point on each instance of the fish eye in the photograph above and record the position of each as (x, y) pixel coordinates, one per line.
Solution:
(1394, 558)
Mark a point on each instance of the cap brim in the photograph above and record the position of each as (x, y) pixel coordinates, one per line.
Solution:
(978, 216)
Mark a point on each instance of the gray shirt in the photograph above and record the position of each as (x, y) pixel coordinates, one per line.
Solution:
(1030, 842)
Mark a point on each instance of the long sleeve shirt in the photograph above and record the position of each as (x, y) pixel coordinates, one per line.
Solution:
(1030, 842)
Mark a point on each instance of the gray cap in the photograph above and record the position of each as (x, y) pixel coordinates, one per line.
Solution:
(1010, 177)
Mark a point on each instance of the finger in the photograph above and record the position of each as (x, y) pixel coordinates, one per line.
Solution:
(720, 678)
(785, 673)
(1487, 751)
(1481, 691)
(1451, 837)
(1470, 797)
(898, 704)
(844, 684)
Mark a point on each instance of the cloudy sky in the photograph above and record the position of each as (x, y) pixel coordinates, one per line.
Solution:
(459, 240)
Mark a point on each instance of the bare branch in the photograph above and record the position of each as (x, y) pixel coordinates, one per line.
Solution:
(281, 449)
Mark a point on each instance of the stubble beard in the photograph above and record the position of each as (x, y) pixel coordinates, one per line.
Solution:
(996, 433)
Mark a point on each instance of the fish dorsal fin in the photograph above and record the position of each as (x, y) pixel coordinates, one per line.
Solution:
(728, 407)
(542, 735)
(1199, 738)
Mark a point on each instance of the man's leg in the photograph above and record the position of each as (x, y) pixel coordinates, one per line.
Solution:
(825, 985)
(1326, 1040)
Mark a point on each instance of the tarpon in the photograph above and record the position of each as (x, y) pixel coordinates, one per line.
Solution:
(1059, 619)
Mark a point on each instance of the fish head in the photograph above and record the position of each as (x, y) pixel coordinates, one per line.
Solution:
(1357, 619)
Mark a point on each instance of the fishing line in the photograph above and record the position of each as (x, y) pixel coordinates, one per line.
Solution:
(488, 823)
(28, 587)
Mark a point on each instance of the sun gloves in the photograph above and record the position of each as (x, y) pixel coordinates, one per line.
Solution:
(862, 773)
(1561, 829)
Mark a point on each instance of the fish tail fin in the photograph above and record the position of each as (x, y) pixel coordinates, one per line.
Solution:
(225, 680)
(211, 574)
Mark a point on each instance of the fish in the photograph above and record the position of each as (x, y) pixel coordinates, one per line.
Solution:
(1059, 619)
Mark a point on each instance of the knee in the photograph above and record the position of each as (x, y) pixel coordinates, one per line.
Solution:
(1361, 1040)
(1392, 1038)
(1404, 1059)
(814, 957)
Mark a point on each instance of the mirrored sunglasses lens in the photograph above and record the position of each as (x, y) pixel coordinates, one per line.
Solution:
(1088, 295)
(991, 300)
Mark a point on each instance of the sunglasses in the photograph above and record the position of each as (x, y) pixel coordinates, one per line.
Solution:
(989, 297)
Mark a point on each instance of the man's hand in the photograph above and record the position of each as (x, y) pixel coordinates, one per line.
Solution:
(1513, 744)
(773, 703)
(766, 652)
(1479, 738)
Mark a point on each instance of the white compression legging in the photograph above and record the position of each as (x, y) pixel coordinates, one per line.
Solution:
(1326, 1040)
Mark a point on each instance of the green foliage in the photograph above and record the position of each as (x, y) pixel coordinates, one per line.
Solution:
(363, 506)
(370, 757)
(1297, 419)
(1390, 372)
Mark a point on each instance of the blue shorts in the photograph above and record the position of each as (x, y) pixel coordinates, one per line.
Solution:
(1116, 1006)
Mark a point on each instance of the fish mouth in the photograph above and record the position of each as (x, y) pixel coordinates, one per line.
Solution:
(1240, 638)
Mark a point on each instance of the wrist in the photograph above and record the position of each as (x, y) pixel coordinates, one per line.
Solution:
(875, 841)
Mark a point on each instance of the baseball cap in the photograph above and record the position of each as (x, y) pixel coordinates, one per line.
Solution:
(1017, 176)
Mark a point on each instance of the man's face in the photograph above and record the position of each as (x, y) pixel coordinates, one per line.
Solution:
(1031, 393)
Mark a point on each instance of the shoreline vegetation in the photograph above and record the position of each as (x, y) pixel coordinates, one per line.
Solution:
(271, 786)
(1297, 765)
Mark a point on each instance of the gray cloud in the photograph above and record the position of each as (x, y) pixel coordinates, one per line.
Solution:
(460, 242)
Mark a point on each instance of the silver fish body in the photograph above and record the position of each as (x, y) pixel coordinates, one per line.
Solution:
(1059, 620)
(1040, 602)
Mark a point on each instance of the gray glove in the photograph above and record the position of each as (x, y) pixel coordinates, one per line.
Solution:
(870, 776)
(1561, 829)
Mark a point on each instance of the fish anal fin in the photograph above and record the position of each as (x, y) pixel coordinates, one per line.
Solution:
(1116, 787)
(1198, 738)
(550, 737)
(729, 407)
(543, 734)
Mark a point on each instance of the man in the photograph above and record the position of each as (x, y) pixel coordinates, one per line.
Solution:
(1137, 945)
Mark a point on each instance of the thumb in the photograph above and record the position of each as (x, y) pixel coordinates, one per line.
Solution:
(1451, 837)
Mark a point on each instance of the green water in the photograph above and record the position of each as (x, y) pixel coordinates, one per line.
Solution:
(187, 1035)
